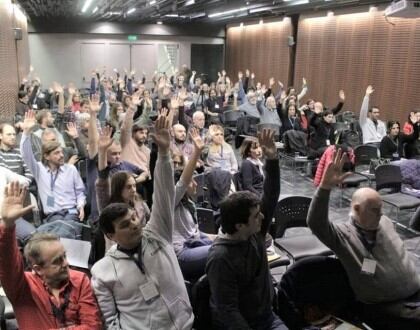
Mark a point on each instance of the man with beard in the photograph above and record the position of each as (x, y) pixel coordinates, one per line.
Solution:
(51, 296)
(60, 186)
(133, 142)
(179, 143)
(373, 129)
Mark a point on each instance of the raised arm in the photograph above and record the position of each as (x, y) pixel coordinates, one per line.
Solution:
(93, 136)
(127, 126)
(25, 143)
(161, 218)
(318, 210)
(304, 89)
(271, 189)
(339, 106)
(365, 106)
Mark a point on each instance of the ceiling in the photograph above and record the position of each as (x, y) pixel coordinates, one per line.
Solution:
(175, 11)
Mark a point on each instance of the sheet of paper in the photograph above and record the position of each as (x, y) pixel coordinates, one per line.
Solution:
(77, 252)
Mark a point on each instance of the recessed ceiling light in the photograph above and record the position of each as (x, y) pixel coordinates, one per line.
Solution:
(159, 22)
(86, 5)
(95, 10)
(132, 10)
(152, 2)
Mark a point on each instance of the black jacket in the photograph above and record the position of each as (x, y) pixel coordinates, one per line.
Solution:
(238, 272)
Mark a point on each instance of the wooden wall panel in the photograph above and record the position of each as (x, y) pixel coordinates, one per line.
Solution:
(354, 50)
(261, 48)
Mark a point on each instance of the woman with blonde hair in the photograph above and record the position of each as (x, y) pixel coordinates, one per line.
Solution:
(220, 154)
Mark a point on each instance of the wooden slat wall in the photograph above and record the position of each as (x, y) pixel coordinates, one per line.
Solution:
(261, 48)
(352, 51)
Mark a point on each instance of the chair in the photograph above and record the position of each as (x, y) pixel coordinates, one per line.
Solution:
(237, 181)
(292, 212)
(201, 304)
(389, 177)
(230, 117)
(363, 155)
(206, 221)
(200, 195)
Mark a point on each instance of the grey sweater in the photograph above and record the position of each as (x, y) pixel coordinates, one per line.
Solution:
(395, 277)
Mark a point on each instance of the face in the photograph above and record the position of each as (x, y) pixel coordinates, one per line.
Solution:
(252, 98)
(127, 230)
(212, 93)
(271, 103)
(329, 118)
(180, 80)
(55, 157)
(25, 99)
(199, 120)
(129, 191)
(255, 152)
(49, 119)
(311, 104)
(127, 101)
(146, 94)
(84, 108)
(179, 133)
(375, 114)
(258, 86)
(395, 130)
(291, 111)
(292, 91)
(318, 107)
(8, 137)
(54, 269)
(178, 163)
(84, 125)
(114, 154)
(120, 109)
(49, 137)
(218, 137)
(205, 88)
(254, 222)
(198, 81)
(141, 136)
(76, 98)
(369, 212)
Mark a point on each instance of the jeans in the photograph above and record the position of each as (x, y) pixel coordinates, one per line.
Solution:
(192, 259)
(24, 229)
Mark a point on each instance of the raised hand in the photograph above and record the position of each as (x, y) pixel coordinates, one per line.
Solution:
(342, 95)
(73, 160)
(266, 141)
(247, 73)
(163, 112)
(12, 207)
(224, 73)
(166, 91)
(334, 174)
(72, 89)
(174, 102)
(29, 121)
(196, 138)
(57, 87)
(253, 76)
(271, 82)
(369, 90)
(105, 139)
(240, 75)
(94, 105)
(194, 73)
(161, 135)
(280, 84)
(304, 82)
(72, 131)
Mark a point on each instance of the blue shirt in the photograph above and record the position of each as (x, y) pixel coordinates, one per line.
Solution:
(65, 185)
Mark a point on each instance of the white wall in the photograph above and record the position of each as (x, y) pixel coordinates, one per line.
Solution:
(58, 57)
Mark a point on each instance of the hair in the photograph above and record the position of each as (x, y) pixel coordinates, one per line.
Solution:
(326, 113)
(371, 109)
(110, 214)
(137, 127)
(82, 118)
(32, 249)
(118, 182)
(246, 147)
(289, 89)
(113, 114)
(48, 147)
(48, 131)
(41, 115)
(213, 129)
(392, 123)
(236, 209)
(197, 113)
(178, 154)
(22, 94)
(124, 99)
(3, 125)
(83, 102)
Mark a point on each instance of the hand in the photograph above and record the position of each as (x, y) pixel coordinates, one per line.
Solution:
(227, 80)
(194, 73)
(271, 82)
(72, 131)
(94, 105)
(29, 121)
(12, 207)
(163, 112)
(31, 68)
(341, 95)
(135, 100)
(334, 174)
(280, 84)
(247, 73)
(57, 87)
(219, 74)
(174, 102)
(263, 89)
(166, 91)
(369, 90)
(105, 139)
(142, 177)
(73, 160)
(133, 72)
(198, 142)
(161, 135)
(115, 70)
(253, 76)
(240, 75)
(224, 73)
(266, 141)
(72, 89)
(304, 82)
(81, 213)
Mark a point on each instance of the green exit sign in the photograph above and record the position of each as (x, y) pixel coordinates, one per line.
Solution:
(132, 37)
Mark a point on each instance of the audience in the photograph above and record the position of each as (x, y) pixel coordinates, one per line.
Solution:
(371, 252)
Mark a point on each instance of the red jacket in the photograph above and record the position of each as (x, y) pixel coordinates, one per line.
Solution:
(326, 159)
(32, 301)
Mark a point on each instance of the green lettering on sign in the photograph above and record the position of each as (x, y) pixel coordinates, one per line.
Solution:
(132, 37)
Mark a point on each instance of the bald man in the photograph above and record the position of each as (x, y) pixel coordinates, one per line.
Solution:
(179, 142)
(380, 271)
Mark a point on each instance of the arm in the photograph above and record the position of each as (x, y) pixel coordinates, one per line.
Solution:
(26, 146)
(163, 189)
(340, 104)
(93, 136)
(88, 308)
(74, 135)
(271, 188)
(79, 190)
(365, 106)
(246, 175)
(304, 89)
(126, 127)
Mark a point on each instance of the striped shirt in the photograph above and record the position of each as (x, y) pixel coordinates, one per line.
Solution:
(12, 160)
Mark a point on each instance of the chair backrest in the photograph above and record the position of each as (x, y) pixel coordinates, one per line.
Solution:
(231, 116)
(364, 153)
(237, 181)
(290, 212)
(200, 179)
(201, 304)
(206, 221)
(274, 127)
(388, 176)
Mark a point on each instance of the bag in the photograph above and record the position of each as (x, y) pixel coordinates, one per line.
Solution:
(295, 142)
(374, 163)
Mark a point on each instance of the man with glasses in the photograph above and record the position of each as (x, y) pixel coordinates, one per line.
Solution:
(51, 296)
(373, 129)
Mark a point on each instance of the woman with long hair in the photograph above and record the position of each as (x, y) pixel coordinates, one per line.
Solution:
(252, 174)
(391, 145)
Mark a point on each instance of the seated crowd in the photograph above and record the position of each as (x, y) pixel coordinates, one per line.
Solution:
(128, 159)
